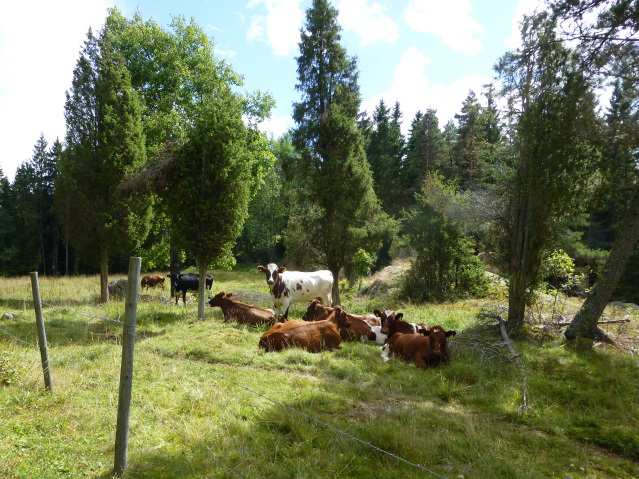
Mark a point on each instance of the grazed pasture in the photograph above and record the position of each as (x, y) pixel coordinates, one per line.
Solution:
(193, 417)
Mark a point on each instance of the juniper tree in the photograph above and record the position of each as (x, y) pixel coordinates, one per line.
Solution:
(105, 142)
(555, 151)
(216, 170)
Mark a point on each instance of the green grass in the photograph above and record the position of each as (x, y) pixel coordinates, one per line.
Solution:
(198, 409)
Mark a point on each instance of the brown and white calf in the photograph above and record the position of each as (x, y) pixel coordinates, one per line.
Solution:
(234, 310)
(429, 347)
(288, 287)
(313, 336)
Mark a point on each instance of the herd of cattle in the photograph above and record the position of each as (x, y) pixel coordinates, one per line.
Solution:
(322, 327)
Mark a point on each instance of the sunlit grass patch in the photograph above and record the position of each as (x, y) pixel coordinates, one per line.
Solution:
(207, 402)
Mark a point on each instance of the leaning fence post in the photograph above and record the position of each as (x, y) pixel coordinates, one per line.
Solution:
(42, 335)
(126, 367)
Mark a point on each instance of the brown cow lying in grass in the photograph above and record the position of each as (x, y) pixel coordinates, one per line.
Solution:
(427, 348)
(313, 336)
(360, 327)
(234, 310)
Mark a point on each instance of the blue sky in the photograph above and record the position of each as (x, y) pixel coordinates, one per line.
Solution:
(423, 53)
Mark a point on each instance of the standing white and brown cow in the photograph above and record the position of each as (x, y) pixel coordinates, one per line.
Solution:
(288, 287)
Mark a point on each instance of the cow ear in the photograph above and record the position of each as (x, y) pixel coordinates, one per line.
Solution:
(377, 313)
(425, 332)
(317, 300)
(399, 316)
(451, 333)
(281, 269)
(261, 268)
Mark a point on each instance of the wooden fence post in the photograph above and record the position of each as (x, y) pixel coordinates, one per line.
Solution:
(126, 367)
(42, 335)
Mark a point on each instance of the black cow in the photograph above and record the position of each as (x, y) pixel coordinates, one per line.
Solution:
(183, 282)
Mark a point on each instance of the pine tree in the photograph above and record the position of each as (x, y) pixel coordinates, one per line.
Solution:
(384, 153)
(468, 148)
(424, 152)
(489, 117)
(7, 226)
(348, 215)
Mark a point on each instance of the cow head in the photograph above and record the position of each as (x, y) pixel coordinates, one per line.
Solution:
(438, 341)
(272, 271)
(218, 299)
(174, 278)
(316, 310)
(342, 320)
(389, 320)
(359, 329)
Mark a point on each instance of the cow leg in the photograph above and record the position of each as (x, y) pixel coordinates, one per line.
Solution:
(419, 361)
(177, 297)
(385, 352)
(184, 297)
(328, 299)
(286, 312)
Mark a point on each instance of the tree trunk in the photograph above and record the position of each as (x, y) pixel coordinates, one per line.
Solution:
(516, 302)
(335, 293)
(584, 324)
(202, 298)
(174, 263)
(55, 251)
(66, 257)
(44, 257)
(104, 275)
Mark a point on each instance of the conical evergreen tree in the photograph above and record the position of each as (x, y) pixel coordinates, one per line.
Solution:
(339, 183)
(105, 141)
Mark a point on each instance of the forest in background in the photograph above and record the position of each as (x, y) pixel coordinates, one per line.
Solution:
(533, 155)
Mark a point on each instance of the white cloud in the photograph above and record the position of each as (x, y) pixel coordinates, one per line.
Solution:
(368, 20)
(451, 22)
(523, 7)
(227, 53)
(39, 45)
(415, 91)
(279, 26)
(276, 125)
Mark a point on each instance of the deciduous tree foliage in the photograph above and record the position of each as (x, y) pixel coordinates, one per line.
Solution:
(555, 151)
(344, 213)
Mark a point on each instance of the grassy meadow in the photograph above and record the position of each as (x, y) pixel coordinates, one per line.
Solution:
(200, 406)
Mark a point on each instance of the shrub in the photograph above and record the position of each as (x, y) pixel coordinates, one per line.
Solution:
(557, 268)
(445, 266)
(360, 265)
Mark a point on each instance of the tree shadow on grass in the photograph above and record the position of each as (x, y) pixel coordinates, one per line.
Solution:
(85, 329)
(17, 304)
(276, 441)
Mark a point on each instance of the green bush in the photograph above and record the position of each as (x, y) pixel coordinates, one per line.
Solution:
(445, 266)
(360, 265)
